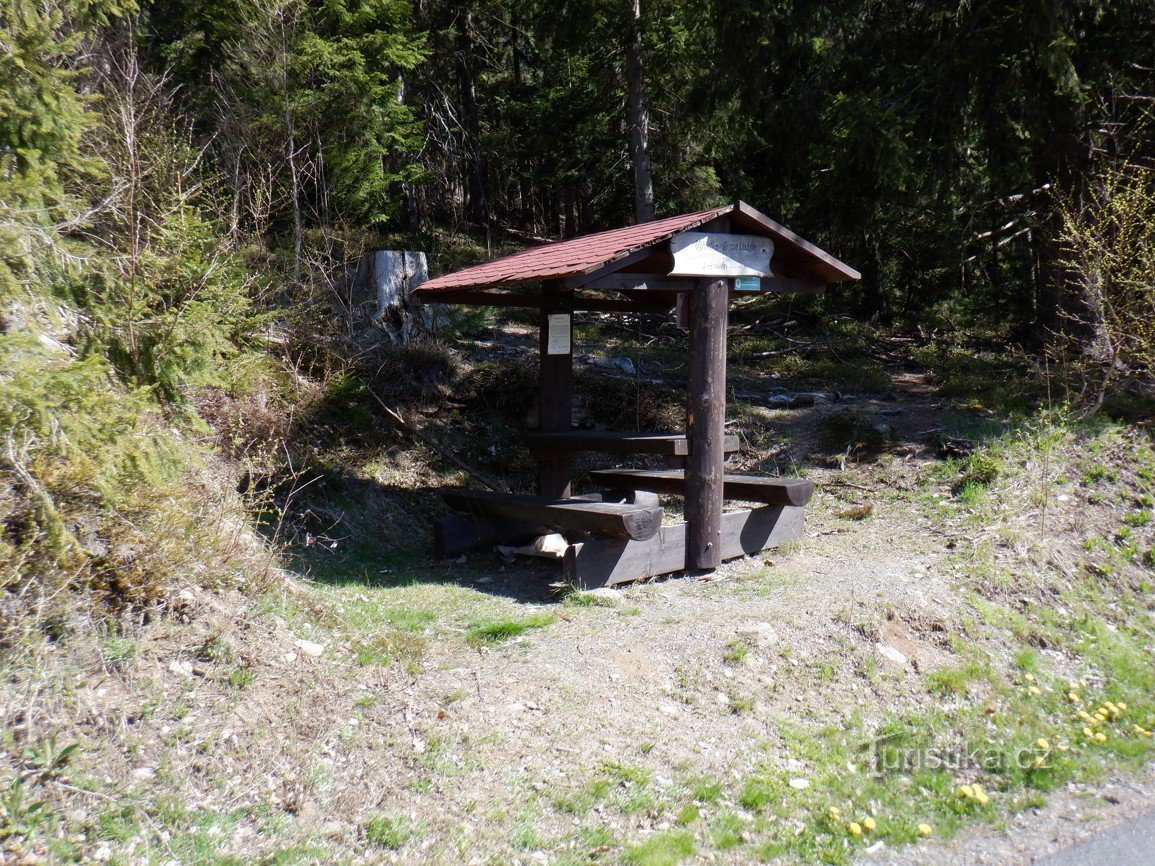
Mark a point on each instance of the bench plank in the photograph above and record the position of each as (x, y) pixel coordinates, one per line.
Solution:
(749, 488)
(619, 520)
(607, 561)
(669, 444)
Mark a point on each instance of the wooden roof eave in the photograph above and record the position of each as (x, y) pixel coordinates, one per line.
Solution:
(798, 266)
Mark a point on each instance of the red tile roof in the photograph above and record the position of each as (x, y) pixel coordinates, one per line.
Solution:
(587, 253)
(567, 258)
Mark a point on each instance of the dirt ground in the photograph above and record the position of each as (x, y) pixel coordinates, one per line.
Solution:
(279, 729)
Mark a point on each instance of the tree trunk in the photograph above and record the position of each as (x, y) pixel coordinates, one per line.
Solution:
(639, 117)
(476, 201)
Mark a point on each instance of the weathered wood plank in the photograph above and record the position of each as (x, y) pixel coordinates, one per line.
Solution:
(604, 562)
(633, 497)
(455, 534)
(705, 423)
(676, 444)
(748, 488)
(626, 521)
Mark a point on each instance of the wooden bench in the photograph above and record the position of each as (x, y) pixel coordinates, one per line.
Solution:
(617, 520)
(748, 488)
(667, 444)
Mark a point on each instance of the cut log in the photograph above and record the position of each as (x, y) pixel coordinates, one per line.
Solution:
(671, 444)
(606, 561)
(636, 522)
(748, 488)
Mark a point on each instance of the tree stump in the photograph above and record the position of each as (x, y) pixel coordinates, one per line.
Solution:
(390, 276)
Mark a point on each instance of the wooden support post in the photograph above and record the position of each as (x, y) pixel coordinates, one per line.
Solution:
(555, 387)
(705, 424)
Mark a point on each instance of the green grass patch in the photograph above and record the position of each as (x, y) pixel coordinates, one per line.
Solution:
(664, 849)
(497, 630)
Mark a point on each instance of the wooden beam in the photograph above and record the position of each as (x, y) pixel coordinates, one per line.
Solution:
(555, 390)
(637, 522)
(676, 444)
(604, 562)
(786, 285)
(482, 299)
(632, 258)
(642, 283)
(747, 488)
(705, 423)
(533, 302)
(455, 534)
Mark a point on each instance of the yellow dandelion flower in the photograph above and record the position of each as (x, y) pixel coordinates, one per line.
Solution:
(835, 812)
(1063, 747)
(978, 789)
(1042, 743)
(1072, 685)
(868, 824)
(1100, 737)
(983, 799)
(924, 830)
(1101, 716)
(1084, 715)
(1139, 729)
(1121, 705)
(1087, 732)
(1072, 697)
(966, 791)
(1034, 690)
(1029, 678)
(854, 828)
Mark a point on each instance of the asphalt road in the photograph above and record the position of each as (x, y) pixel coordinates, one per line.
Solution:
(1131, 843)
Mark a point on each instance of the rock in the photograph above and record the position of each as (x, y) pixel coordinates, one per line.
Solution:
(143, 774)
(799, 784)
(604, 593)
(759, 634)
(668, 709)
(722, 698)
(181, 668)
(891, 654)
(309, 648)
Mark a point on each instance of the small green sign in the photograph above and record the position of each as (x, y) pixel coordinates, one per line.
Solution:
(747, 284)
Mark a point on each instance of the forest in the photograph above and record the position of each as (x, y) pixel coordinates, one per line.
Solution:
(186, 189)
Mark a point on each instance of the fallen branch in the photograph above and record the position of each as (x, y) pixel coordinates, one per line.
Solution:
(424, 438)
(848, 484)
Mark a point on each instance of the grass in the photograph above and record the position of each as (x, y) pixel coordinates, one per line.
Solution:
(664, 849)
(386, 831)
(497, 630)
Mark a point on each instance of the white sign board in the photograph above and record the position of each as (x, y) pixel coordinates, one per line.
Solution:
(699, 254)
(558, 342)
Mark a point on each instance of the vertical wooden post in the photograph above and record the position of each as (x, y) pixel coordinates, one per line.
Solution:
(705, 423)
(555, 387)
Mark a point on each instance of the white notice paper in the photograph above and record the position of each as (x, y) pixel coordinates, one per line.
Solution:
(559, 334)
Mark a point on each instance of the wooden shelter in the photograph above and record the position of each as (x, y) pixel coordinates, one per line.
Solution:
(694, 262)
